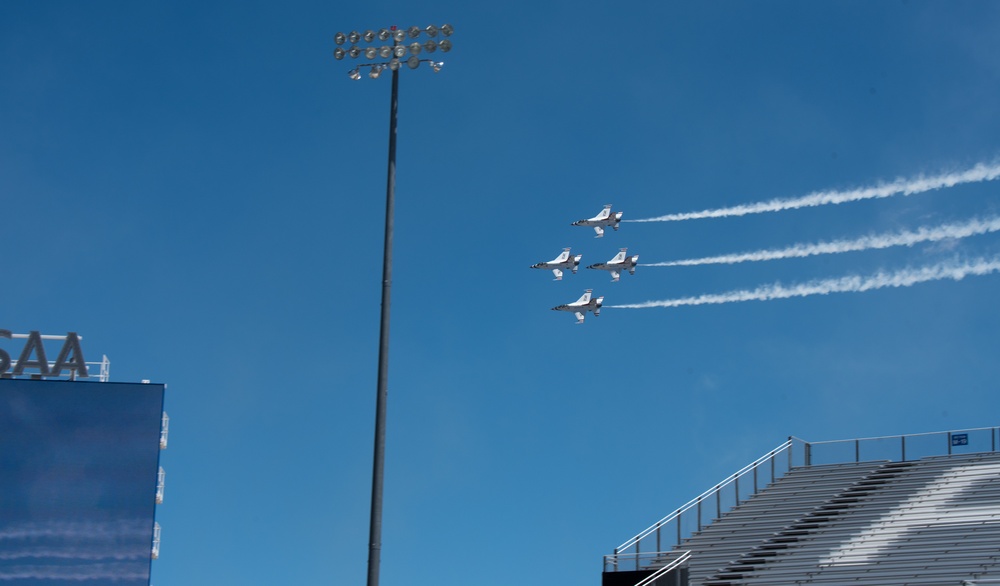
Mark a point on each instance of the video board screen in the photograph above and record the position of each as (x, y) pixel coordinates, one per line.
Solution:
(78, 472)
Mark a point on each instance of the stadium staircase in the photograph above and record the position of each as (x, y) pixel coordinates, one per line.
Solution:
(934, 521)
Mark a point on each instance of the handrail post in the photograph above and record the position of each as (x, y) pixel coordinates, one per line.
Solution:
(638, 550)
(857, 451)
(902, 439)
(678, 521)
(807, 449)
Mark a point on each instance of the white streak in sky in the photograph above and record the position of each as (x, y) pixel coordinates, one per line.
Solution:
(901, 186)
(852, 284)
(973, 227)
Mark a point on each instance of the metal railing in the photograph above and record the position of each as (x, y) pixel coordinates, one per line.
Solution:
(661, 539)
(156, 541)
(670, 531)
(901, 448)
(164, 430)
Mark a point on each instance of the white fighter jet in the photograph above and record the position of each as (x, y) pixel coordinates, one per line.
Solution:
(605, 218)
(618, 264)
(581, 306)
(563, 261)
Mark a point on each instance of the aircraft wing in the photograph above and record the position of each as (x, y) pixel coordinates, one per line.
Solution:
(615, 275)
(599, 230)
(579, 317)
(558, 274)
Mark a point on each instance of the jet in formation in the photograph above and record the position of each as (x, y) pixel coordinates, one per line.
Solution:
(602, 220)
(563, 261)
(618, 264)
(581, 306)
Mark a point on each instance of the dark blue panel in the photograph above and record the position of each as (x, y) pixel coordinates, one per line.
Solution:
(78, 466)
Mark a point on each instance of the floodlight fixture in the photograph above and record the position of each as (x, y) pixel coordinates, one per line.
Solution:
(393, 55)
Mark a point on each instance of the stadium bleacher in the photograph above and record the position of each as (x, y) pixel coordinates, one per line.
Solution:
(932, 521)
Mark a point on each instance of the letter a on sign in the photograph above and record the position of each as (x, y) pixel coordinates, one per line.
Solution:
(75, 363)
(25, 361)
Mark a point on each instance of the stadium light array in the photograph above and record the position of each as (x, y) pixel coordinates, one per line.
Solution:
(394, 53)
(404, 42)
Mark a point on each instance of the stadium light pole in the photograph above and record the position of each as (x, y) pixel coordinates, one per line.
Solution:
(393, 54)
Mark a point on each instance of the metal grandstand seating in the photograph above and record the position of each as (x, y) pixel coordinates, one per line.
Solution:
(934, 521)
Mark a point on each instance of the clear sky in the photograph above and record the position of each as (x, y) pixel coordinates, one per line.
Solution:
(198, 189)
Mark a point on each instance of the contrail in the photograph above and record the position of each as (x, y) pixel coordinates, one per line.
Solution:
(973, 227)
(905, 278)
(920, 184)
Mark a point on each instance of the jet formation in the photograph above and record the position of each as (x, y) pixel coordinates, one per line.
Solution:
(566, 261)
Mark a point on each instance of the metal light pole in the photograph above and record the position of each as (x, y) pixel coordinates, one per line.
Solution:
(394, 53)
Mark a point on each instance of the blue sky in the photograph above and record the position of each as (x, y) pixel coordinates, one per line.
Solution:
(199, 192)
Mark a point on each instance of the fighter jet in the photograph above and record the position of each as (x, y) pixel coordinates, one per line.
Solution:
(581, 306)
(619, 263)
(605, 218)
(563, 261)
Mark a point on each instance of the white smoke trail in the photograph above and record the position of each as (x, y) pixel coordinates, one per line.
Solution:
(973, 227)
(920, 184)
(851, 284)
